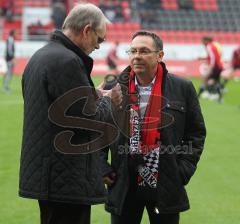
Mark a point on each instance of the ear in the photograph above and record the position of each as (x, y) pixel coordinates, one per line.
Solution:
(86, 30)
(160, 56)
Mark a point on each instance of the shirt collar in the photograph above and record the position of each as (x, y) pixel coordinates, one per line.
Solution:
(149, 85)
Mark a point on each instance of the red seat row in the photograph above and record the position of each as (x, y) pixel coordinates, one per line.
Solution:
(18, 5)
(176, 36)
(195, 37)
(169, 4)
(197, 5)
(205, 5)
(124, 26)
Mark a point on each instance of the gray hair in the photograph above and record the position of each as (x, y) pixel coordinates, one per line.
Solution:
(157, 40)
(83, 14)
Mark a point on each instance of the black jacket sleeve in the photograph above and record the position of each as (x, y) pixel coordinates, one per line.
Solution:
(71, 77)
(194, 137)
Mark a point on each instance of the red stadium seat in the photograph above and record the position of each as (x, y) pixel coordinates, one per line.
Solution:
(177, 36)
(169, 4)
(205, 5)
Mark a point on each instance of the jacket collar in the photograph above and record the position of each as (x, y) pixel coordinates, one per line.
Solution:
(58, 36)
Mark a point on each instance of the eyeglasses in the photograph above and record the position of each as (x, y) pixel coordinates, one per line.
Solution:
(141, 52)
(100, 39)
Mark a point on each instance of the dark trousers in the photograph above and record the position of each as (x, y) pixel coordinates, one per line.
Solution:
(133, 210)
(64, 213)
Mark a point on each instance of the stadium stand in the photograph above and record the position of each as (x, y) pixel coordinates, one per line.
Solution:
(18, 5)
(217, 18)
(180, 21)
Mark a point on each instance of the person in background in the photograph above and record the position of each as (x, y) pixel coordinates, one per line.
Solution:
(58, 14)
(112, 59)
(211, 82)
(161, 141)
(59, 170)
(234, 65)
(9, 57)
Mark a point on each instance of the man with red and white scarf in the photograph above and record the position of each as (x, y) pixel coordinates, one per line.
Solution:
(161, 138)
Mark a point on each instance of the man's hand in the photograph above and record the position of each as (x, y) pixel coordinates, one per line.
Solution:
(115, 94)
(100, 89)
(110, 179)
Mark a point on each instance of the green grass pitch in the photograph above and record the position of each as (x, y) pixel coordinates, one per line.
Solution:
(214, 190)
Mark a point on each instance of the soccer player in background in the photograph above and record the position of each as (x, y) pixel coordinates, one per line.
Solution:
(211, 82)
(234, 65)
(9, 57)
(112, 59)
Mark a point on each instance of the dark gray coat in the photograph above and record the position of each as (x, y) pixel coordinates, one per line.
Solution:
(175, 166)
(45, 173)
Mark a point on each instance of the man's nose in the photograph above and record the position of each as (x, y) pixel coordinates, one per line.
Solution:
(97, 46)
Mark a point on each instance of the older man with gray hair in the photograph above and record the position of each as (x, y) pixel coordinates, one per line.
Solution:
(63, 116)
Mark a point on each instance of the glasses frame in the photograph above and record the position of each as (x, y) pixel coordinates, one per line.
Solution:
(140, 52)
(100, 40)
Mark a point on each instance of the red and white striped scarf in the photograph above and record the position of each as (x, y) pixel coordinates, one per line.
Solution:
(149, 133)
(145, 137)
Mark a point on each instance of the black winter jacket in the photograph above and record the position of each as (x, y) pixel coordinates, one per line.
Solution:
(45, 173)
(182, 142)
